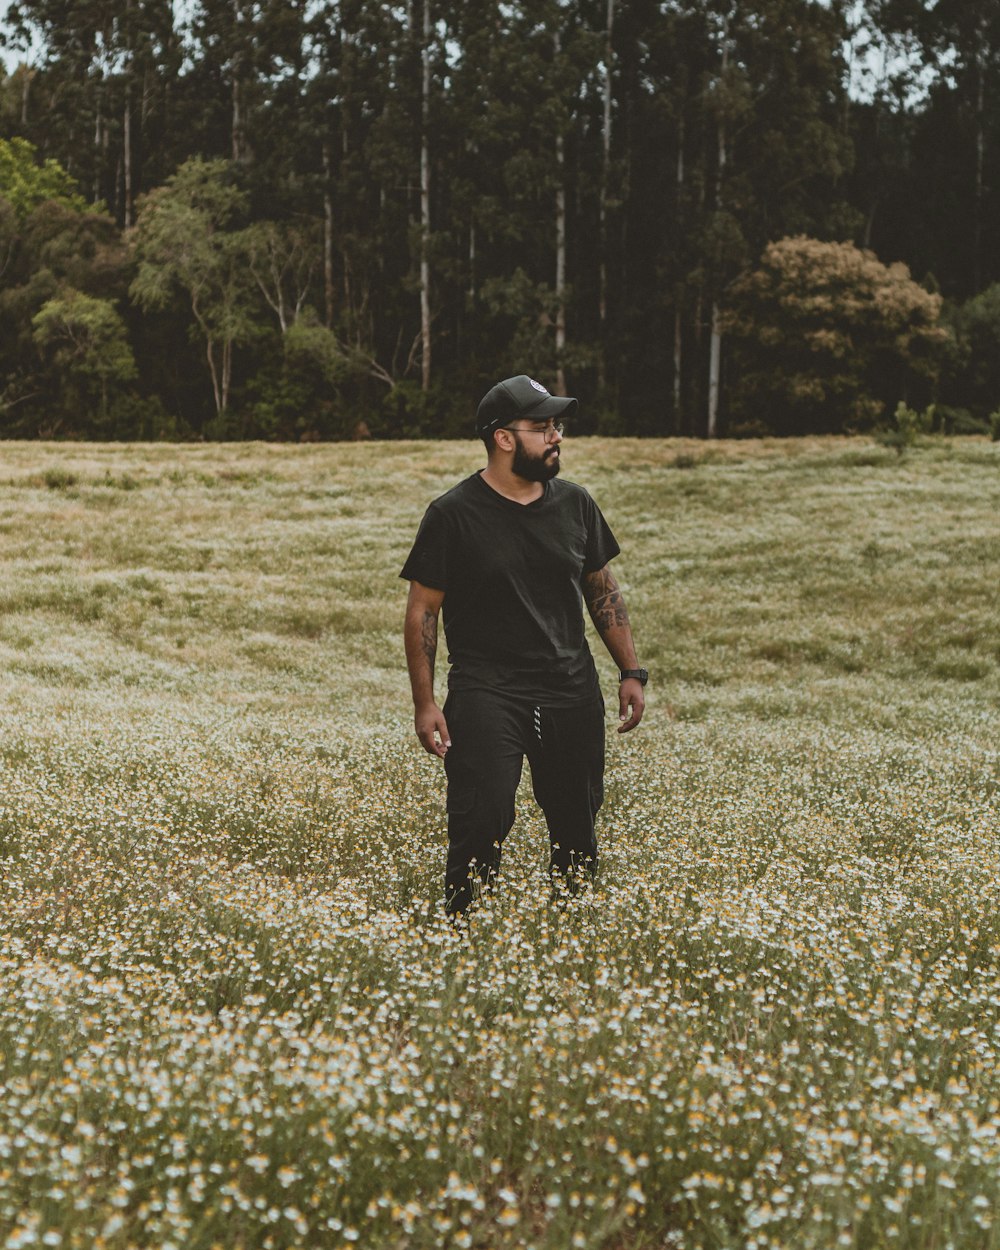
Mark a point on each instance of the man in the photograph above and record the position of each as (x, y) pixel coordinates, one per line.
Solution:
(507, 554)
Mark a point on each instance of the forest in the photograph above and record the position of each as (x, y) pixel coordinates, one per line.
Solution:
(287, 220)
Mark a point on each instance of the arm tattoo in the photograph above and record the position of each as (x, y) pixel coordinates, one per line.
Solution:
(429, 637)
(604, 600)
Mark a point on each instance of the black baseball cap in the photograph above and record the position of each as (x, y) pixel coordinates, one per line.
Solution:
(520, 397)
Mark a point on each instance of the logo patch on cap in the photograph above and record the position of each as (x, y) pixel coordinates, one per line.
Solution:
(538, 386)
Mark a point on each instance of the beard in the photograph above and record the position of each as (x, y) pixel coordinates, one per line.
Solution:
(535, 468)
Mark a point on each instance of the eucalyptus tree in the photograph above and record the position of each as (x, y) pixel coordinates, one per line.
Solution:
(971, 30)
(732, 120)
(283, 259)
(365, 101)
(188, 239)
(607, 67)
(426, 54)
(102, 91)
(242, 54)
(928, 139)
(956, 134)
(470, 143)
(543, 65)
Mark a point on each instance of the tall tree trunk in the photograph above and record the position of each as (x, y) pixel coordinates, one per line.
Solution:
(678, 367)
(98, 163)
(238, 147)
(239, 123)
(977, 228)
(560, 264)
(328, 289)
(472, 262)
(213, 369)
(714, 371)
(227, 372)
(473, 152)
(678, 314)
(345, 148)
(602, 297)
(560, 388)
(128, 196)
(425, 201)
(715, 350)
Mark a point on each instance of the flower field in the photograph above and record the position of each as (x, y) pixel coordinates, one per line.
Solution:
(232, 1013)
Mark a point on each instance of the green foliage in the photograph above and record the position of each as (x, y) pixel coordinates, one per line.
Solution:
(823, 332)
(187, 239)
(8, 233)
(81, 249)
(60, 255)
(83, 340)
(522, 316)
(973, 375)
(523, 311)
(908, 426)
(952, 420)
(283, 259)
(60, 479)
(300, 396)
(85, 336)
(26, 181)
(310, 346)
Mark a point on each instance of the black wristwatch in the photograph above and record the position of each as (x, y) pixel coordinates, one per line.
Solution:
(639, 674)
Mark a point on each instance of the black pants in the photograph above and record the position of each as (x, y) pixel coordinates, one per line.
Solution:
(490, 736)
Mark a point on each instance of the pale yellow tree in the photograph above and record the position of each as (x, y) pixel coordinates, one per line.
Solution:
(825, 337)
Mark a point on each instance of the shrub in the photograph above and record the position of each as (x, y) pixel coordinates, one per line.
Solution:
(973, 376)
(824, 334)
(907, 428)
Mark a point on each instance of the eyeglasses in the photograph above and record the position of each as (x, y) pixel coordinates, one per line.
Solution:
(548, 432)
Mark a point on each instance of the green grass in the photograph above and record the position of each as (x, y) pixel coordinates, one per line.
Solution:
(231, 1012)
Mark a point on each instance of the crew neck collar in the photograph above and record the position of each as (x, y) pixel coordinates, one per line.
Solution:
(513, 503)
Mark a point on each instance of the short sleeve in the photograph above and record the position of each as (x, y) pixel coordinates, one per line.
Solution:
(427, 562)
(601, 543)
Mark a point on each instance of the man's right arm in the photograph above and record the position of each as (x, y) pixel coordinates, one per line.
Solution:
(420, 632)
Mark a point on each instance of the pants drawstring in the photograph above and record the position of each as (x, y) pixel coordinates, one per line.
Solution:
(537, 713)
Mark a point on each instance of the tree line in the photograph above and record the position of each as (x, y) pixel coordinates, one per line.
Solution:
(280, 219)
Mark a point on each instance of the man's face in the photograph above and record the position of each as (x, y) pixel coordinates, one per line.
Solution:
(535, 459)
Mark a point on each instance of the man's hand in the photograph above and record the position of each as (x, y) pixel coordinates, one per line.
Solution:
(420, 637)
(428, 721)
(631, 704)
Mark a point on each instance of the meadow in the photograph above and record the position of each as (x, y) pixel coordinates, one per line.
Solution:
(232, 1013)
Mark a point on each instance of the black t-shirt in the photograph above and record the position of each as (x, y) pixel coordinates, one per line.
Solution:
(511, 575)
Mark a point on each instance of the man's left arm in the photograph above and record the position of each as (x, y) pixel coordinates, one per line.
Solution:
(606, 605)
